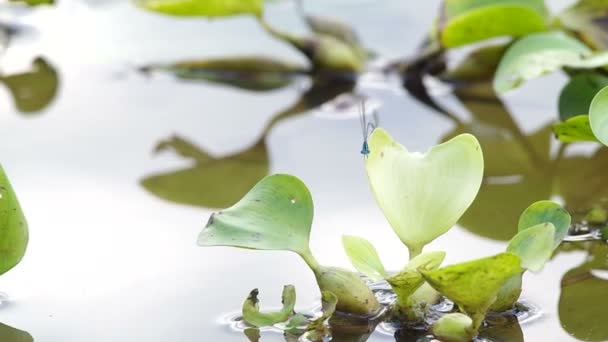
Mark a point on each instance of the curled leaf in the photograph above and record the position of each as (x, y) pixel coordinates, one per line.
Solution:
(275, 215)
(253, 316)
(534, 246)
(329, 302)
(14, 234)
(364, 257)
(576, 128)
(598, 116)
(423, 195)
(204, 8)
(541, 53)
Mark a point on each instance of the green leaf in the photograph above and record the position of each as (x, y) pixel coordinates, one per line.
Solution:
(364, 257)
(10, 334)
(34, 89)
(543, 212)
(540, 53)
(598, 116)
(203, 8)
(575, 98)
(13, 226)
(455, 8)
(587, 19)
(574, 129)
(534, 246)
(505, 18)
(254, 73)
(35, 2)
(406, 282)
(253, 316)
(453, 327)
(473, 285)
(208, 181)
(508, 294)
(423, 195)
(275, 215)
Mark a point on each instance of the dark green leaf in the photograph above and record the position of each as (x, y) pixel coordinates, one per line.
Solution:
(575, 98)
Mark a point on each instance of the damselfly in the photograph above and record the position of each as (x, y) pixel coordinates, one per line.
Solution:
(367, 127)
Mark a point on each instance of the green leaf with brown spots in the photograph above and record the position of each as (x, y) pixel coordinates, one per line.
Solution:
(13, 226)
(574, 129)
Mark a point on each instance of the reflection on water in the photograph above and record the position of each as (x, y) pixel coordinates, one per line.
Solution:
(583, 303)
(219, 182)
(10, 334)
(34, 89)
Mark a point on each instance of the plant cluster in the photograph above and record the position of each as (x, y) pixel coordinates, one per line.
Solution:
(422, 197)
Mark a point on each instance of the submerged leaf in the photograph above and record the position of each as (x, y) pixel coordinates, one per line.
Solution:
(480, 20)
(546, 212)
(253, 316)
(541, 53)
(255, 73)
(423, 195)
(575, 98)
(13, 226)
(473, 285)
(574, 129)
(364, 257)
(534, 246)
(203, 8)
(276, 214)
(598, 116)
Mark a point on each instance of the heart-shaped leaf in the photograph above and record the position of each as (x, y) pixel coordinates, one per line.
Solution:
(253, 316)
(576, 128)
(533, 246)
(276, 215)
(423, 195)
(575, 98)
(546, 212)
(541, 53)
(13, 226)
(473, 285)
(364, 257)
(598, 116)
(473, 21)
(203, 8)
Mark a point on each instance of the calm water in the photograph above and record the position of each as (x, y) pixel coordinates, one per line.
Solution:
(110, 261)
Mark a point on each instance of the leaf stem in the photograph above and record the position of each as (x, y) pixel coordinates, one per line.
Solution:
(310, 260)
(414, 251)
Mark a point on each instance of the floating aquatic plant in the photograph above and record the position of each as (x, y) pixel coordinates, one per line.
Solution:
(277, 215)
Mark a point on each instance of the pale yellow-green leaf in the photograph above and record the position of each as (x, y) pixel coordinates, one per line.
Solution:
(364, 257)
(453, 327)
(534, 246)
(251, 309)
(423, 195)
(598, 116)
(203, 8)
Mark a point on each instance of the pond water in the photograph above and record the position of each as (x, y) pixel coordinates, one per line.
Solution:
(112, 260)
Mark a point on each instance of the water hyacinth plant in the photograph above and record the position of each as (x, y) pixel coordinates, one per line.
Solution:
(422, 196)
